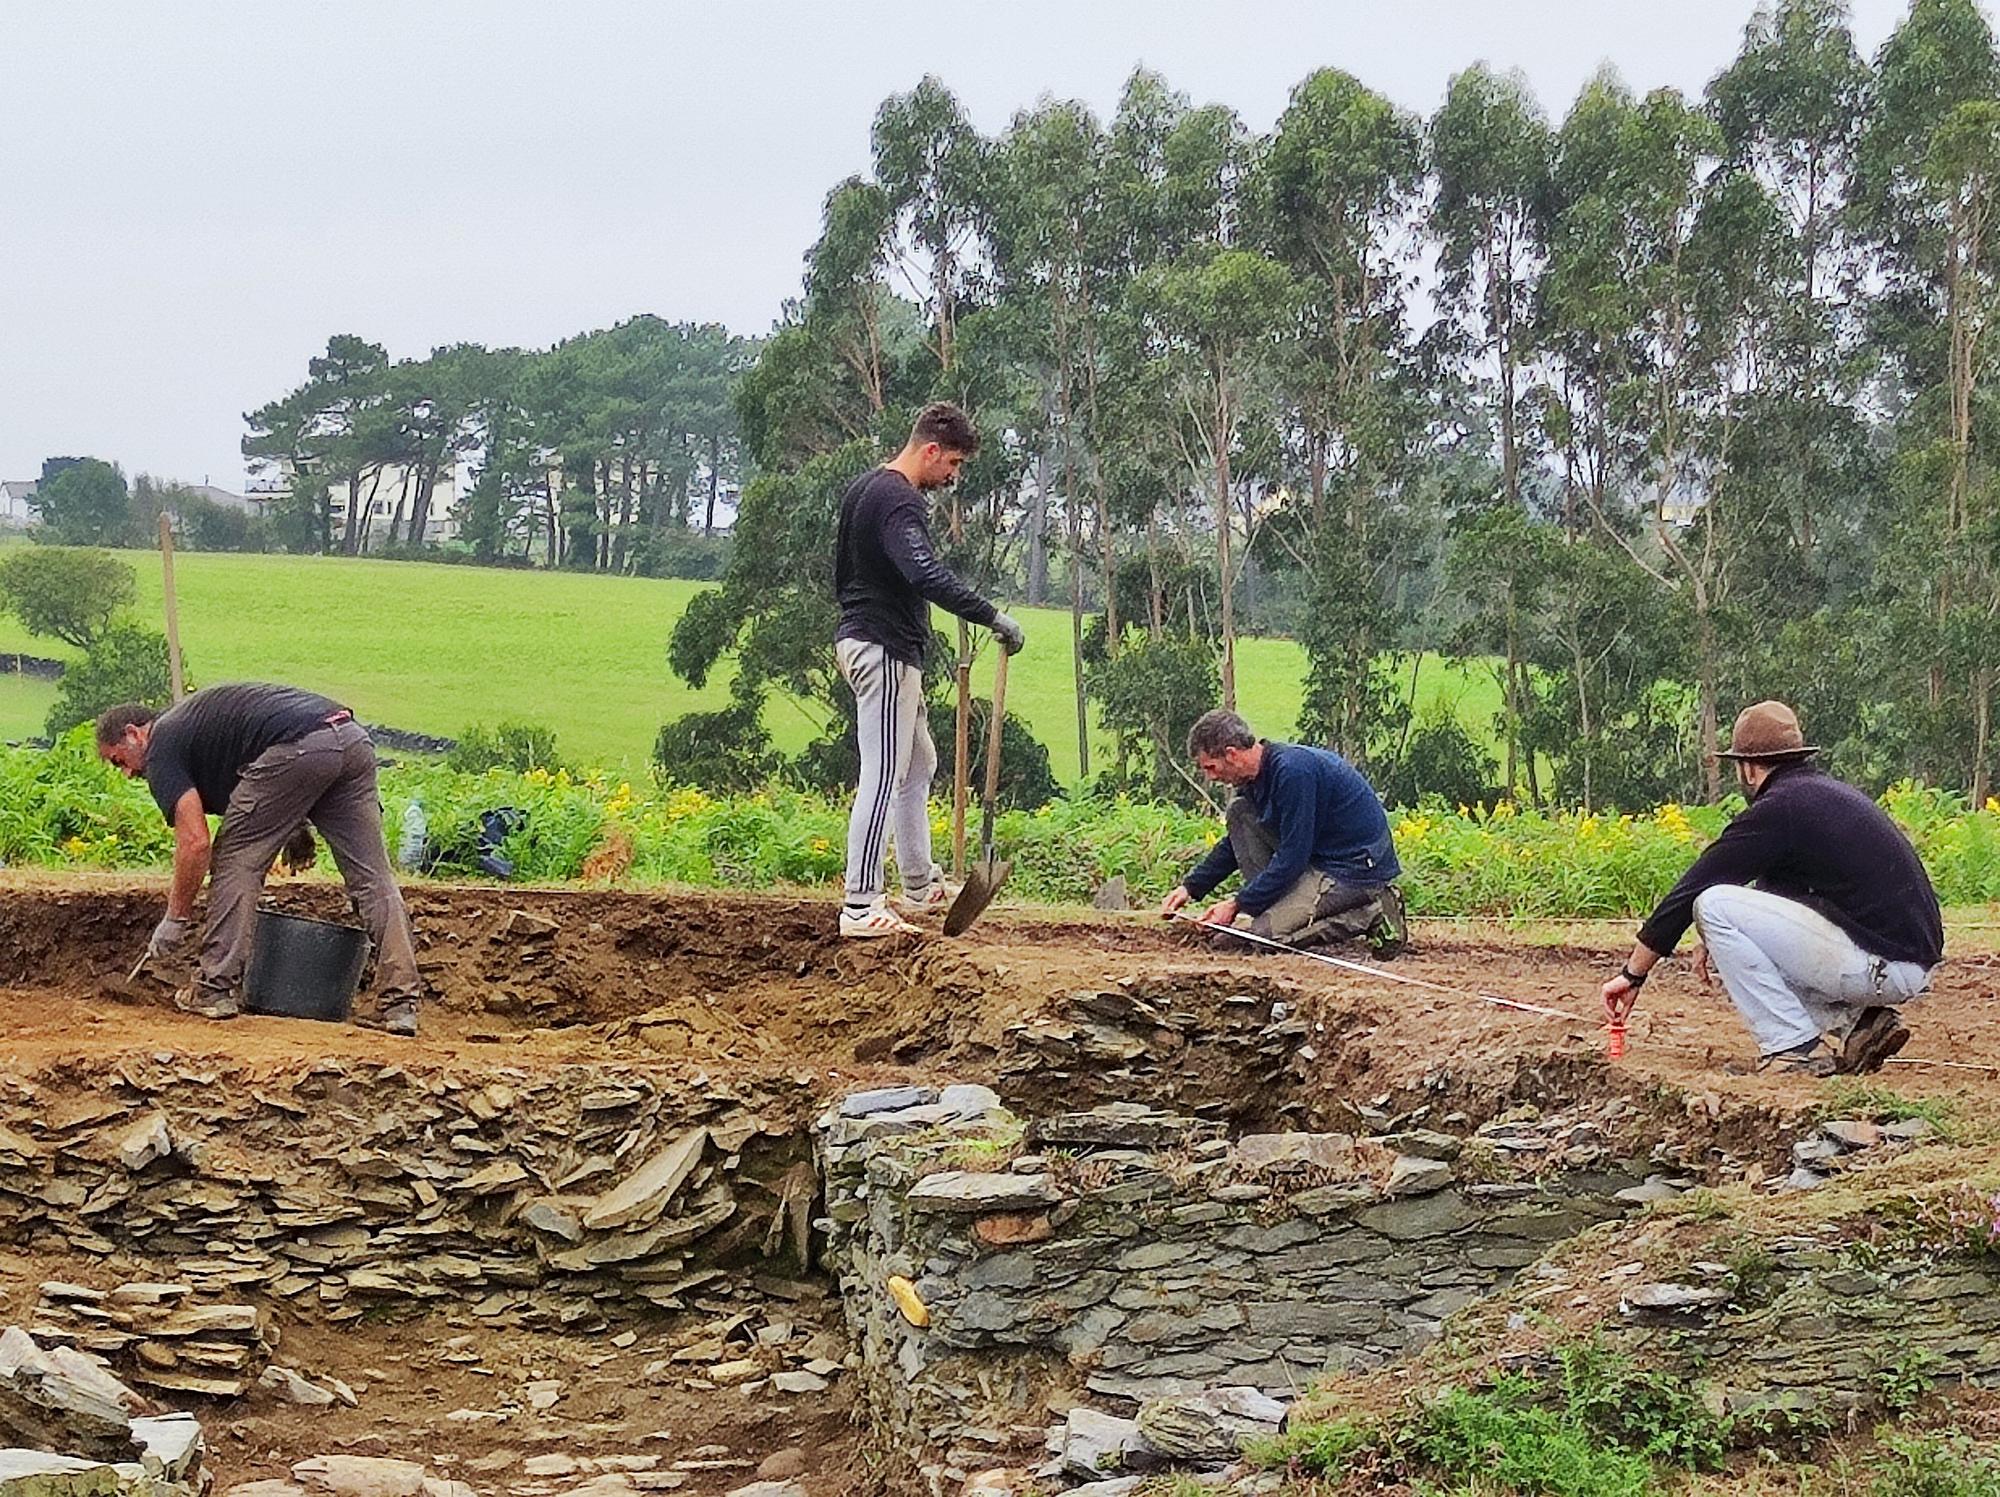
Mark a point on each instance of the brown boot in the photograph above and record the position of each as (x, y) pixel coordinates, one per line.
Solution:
(1878, 1034)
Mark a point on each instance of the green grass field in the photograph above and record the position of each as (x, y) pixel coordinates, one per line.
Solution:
(435, 648)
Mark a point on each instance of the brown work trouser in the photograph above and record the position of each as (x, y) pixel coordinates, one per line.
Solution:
(1330, 906)
(327, 778)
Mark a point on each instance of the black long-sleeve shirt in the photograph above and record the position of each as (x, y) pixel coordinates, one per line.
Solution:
(887, 571)
(1812, 838)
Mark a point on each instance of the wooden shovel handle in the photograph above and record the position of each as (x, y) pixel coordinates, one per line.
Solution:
(994, 725)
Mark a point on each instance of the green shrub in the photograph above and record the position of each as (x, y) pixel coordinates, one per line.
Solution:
(519, 746)
(1936, 1465)
(719, 752)
(1504, 1438)
(128, 663)
(65, 592)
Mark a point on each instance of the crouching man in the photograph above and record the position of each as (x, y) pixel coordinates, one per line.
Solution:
(1308, 834)
(1813, 907)
(266, 759)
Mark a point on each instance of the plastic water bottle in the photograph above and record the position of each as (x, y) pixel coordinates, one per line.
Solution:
(415, 844)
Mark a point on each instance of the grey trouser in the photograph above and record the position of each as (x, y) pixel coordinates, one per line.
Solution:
(1792, 973)
(327, 778)
(892, 801)
(1343, 909)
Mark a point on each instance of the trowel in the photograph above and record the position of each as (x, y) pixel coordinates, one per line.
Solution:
(986, 876)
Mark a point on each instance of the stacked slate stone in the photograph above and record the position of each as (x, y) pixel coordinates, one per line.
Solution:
(1134, 1255)
(157, 1336)
(560, 1199)
(71, 1429)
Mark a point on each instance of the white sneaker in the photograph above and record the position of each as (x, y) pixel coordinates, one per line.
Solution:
(935, 899)
(877, 920)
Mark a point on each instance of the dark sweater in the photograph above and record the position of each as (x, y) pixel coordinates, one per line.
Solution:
(1322, 814)
(887, 573)
(1812, 838)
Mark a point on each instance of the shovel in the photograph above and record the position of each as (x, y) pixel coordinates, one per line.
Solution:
(984, 879)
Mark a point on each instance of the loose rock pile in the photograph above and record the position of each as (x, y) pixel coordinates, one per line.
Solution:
(548, 1201)
(1842, 1144)
(158, 1337)
(990, 1269)
(74, 1430)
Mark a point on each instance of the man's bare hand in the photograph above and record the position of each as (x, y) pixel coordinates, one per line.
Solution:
(1620, 997)
(1176, 900)
(1222, 912)
(1704, 973)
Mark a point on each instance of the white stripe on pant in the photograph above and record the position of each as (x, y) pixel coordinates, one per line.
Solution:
(892, 801)
(1792, 973)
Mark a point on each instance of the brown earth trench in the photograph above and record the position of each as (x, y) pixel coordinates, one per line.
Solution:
(704, 998)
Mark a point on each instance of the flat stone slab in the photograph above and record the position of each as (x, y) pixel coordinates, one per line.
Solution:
(1281, 1151)
(645, 1193)
(973, 1193)
(886, 1099)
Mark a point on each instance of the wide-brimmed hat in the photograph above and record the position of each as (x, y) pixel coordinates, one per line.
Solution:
(1767, 730)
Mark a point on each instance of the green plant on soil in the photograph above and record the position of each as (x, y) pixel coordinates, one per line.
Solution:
(1902, 1378)
(1848, 1098)
(1936, 1465)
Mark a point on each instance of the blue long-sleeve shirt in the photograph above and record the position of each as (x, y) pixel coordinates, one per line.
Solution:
(1322, 814)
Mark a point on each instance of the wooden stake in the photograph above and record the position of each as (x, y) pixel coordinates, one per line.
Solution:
(173, 608)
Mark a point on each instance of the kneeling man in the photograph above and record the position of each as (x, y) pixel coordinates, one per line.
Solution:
(1309, 835)
(1813, 906)
(266, 759)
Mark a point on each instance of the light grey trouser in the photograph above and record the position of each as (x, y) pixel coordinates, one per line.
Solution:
(327, 778)
(1792, 973)
(892, 801)
(1348, 909)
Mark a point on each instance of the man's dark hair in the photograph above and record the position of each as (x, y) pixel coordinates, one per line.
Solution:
(945, 424)
(1215, 733)
(113, 721)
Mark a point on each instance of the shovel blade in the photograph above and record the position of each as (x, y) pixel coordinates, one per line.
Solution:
(981, 884)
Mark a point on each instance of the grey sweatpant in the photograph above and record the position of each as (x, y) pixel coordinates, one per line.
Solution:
(892, 801)
(327, 778)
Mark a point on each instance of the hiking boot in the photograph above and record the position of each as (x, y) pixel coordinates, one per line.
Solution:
(1800, 1060)
(875, 921)
(1388, 934)
(400, 1017)
(933, 899)
(206, 1003)
(1877, 1035)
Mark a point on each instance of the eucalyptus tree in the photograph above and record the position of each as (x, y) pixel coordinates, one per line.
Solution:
(1336, 191)
(1493, 156)
(326, 434)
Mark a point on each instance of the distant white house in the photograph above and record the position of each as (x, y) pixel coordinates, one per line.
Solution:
(14, 507)
(387, 496)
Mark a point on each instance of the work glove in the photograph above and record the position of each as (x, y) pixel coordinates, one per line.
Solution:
(167, 935)
(1008, 633)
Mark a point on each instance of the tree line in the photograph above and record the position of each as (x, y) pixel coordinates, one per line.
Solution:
(1662, 406)
(603, 452)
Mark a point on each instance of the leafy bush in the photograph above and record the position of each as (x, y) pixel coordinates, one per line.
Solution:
(519, 746)
(65, 805)
(1155, 690)
(1442, 761)
(1505, 1437)
(1936, 1465)
(128, 663)
(720, 752)
(65, 592)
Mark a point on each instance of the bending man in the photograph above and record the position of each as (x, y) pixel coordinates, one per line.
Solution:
(1813, 907)
(266, 759)
(1309, 835)
(886, 576)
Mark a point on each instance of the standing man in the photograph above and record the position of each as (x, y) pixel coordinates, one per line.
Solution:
(1812, 905)
(886, 576)
(266, 759)
(1308, 834)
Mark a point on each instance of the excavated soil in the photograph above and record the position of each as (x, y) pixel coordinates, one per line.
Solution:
(756, 995)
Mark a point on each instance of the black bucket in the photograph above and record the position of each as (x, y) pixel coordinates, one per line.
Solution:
(303, 969)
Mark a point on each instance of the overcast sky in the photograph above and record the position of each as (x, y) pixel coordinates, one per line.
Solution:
(193, 196)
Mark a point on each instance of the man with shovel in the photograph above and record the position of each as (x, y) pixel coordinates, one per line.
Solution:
(266, 759)
(1812, 905)
(1308, 834)
(886, 576)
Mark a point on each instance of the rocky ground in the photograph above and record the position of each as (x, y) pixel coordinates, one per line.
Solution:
(424, 1238)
